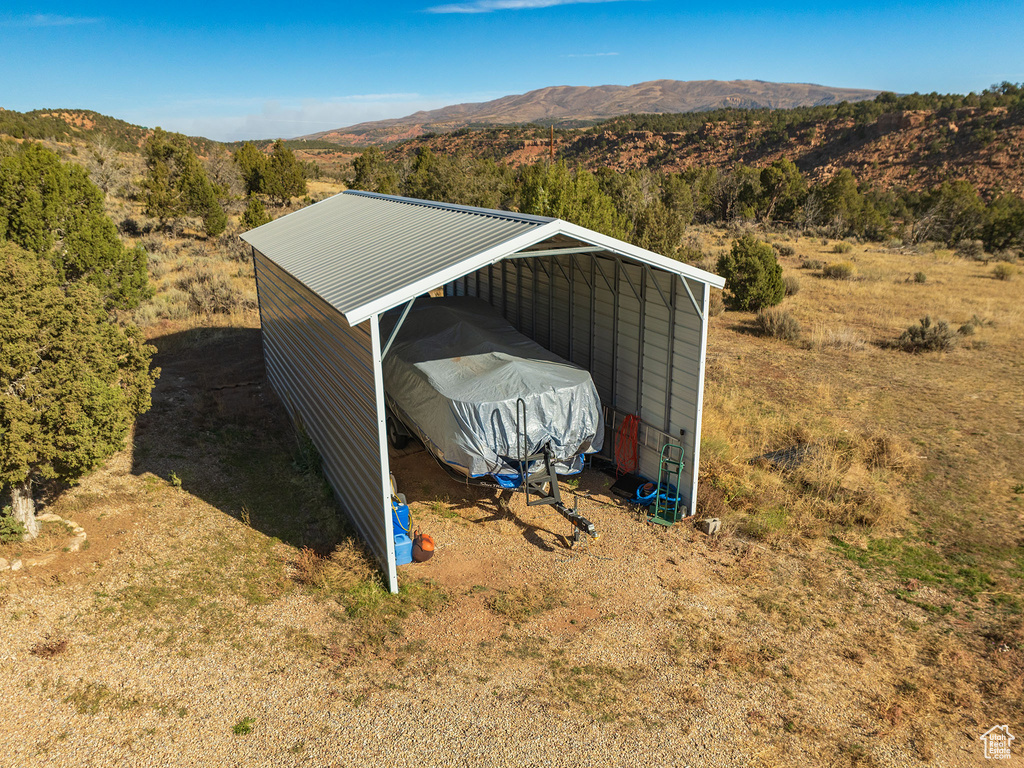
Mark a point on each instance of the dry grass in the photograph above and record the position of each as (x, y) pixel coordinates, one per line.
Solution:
(521, 603)
(604, 691)
(823, 338)
(51, 536)
(195, 279)
(346, 567)
(846, 476)
(861, 405)
(933, 435)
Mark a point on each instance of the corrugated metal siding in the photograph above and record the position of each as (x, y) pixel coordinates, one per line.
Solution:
(687, 362)
(323, 371)
(600, 312)
(351, 249)
(629, 338)
(562, 329)
(581, 281)
(603, 314)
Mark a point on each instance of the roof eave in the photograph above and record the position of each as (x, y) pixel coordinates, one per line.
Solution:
(641, 254)
(514, 246)
(437, 279)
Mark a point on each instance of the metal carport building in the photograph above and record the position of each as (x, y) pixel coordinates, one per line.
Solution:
(325, 274)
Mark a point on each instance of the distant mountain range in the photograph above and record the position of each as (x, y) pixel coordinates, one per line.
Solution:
(565, 105)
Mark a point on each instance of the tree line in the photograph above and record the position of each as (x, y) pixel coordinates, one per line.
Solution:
(652, 209)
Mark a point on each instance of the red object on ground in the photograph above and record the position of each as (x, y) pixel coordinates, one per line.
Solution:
(626, 459)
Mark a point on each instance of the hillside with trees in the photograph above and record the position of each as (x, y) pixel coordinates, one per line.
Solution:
(915, 142)
(653, 208)
(910, 168)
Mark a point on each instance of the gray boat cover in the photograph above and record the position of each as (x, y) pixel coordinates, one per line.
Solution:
(454, 375)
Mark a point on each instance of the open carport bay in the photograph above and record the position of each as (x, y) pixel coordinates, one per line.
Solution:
(325, 275)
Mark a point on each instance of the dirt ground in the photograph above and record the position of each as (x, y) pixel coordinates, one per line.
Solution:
(208, 623)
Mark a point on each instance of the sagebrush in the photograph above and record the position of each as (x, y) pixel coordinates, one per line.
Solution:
(843, 270)
(928, 336)
(778, 324)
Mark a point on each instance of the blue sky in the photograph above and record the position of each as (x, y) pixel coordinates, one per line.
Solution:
(260, 70)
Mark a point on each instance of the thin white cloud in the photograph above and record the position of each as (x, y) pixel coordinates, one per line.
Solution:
(48, 20)
(381, 97)
(586, 55)
(490, 6)
(238, 119)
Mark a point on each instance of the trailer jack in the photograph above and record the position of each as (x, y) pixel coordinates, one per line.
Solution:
(578, 520)
(541, 488)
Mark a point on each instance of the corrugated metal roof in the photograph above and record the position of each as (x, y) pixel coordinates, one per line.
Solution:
(364, 253)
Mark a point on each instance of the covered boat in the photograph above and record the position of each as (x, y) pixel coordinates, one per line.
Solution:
(481, 396)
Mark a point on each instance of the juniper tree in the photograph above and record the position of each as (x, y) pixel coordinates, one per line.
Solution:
(71, 380)
(255, 214)
(574, 196)
(279, 176)
(752, 273)
(252, 165)
(284, 177)
(783, 191)
(176, 184)
(1004, 223)
(53, 209)
(374, 173)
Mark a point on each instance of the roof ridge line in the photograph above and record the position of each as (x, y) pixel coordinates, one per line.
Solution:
(527, 218)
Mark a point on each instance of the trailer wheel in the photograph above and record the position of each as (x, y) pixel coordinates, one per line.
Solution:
(398, 438)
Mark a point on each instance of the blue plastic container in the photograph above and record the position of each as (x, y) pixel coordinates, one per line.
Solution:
(403, 549)
(403, 540)
(400, 518)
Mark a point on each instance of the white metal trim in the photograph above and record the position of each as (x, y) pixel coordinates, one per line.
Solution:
(556, 251)
(693, 301)
(700, 399)
(397, 328)
(385, 469)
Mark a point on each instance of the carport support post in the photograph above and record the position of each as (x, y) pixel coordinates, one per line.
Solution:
(703, 314)
(384, 487)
